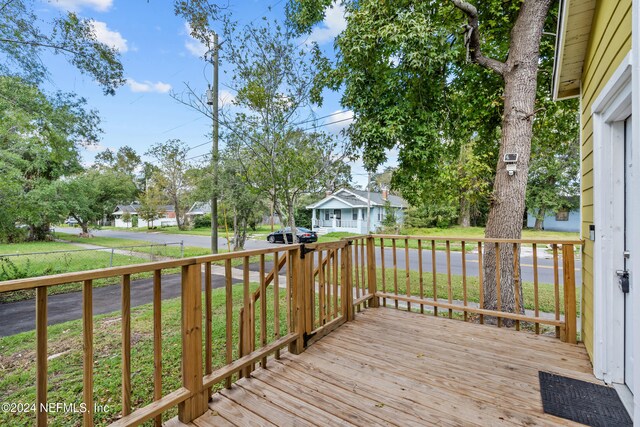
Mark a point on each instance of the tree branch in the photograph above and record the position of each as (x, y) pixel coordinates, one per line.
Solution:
(473, 40)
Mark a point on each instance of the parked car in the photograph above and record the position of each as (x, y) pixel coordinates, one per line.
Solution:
(304, 235)
(71, 221)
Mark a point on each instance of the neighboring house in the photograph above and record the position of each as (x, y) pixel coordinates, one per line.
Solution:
(198, 209)
(595, 63)
(562, 220)
(348, 210)
(167, 216)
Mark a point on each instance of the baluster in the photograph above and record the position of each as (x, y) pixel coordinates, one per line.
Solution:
(228, 294)
(464, 278)
(421, 278)
(449, 292)
(535, 286)
(556, 287)
(157, 340)
(126, 344)
(41, 355)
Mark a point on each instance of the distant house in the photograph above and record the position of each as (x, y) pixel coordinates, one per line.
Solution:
(562, 220)
(198, 209)
(348, 210)
(167, 216)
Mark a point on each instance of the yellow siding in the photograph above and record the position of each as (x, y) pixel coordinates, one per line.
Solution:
(609, 43)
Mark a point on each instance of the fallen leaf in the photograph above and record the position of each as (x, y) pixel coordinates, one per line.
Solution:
(379, 405)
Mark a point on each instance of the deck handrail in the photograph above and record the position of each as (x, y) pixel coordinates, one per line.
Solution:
(326, 283)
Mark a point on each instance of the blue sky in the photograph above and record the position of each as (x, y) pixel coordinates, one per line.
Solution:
(159, 56)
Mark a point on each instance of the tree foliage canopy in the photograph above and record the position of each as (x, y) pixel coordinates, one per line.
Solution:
(24, 37)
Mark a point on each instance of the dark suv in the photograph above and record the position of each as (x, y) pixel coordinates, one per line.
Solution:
(304, 235)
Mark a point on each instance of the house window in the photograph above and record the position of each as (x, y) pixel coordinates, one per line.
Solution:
(380, 214)
(562, 215)
(354, 214)
(326, 215)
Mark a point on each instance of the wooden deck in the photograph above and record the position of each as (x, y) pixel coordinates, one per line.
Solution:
(390, 367)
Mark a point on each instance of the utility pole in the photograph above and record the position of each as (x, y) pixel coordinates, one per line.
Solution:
(213, 101)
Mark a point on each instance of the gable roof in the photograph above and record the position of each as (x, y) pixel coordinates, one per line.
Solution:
(132, 208)
(574, 28)
(359, 199)
(200, 208)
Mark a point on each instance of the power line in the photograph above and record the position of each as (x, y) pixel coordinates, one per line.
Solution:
(327, 124)
(323, 117)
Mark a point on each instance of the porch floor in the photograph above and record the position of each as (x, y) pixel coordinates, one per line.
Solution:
(391, 367)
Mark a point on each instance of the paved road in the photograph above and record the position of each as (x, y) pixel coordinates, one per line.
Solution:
(188, 239)
(19, 316)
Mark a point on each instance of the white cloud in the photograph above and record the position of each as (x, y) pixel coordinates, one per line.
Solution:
(194, 46)
(110, 38)
(334, 23)
(74, 5)
(339, 120)
(94, 148)
(226, 97)
(148, 87)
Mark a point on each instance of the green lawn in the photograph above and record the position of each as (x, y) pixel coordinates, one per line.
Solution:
(546, 292)
(172, 251)
(44, 264)
(17, 359)
(476, 232)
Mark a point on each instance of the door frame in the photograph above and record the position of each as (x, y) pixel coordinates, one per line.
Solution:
(611, 108)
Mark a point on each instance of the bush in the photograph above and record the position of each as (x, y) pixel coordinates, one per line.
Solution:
(203, 221)
(440, 216)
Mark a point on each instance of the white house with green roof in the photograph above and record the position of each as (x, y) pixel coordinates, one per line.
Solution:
(347, 210)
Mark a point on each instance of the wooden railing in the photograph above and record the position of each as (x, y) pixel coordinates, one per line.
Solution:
(318, 286)
(425, 250)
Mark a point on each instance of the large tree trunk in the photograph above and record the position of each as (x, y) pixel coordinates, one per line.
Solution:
(508, 198)
(464, 219)
(292, 221)
(540, 219)
(39, 232)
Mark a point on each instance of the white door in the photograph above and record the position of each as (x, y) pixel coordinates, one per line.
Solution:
(626, 287)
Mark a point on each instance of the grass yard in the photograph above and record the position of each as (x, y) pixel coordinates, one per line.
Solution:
(546, 292)
(474, 232)
(41, 264)
(17, 359)
(172, 251)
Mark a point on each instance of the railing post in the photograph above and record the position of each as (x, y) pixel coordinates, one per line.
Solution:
(568, 269)
(371, 271)
(347, 268)
(196, 405)
(297, 300)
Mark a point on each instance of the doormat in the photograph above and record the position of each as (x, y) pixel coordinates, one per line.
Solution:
(583, 402)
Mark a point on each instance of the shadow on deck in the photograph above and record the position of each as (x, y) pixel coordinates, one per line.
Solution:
(391, 367)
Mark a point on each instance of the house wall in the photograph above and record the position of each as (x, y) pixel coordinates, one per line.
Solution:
(610, 42)
(551, 224)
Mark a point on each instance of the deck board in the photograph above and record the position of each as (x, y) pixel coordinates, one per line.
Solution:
(391, 367)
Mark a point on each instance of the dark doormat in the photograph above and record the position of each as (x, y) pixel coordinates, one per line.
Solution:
(586, 403)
